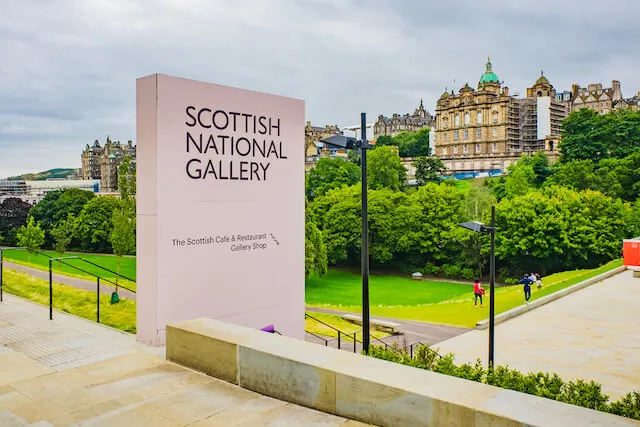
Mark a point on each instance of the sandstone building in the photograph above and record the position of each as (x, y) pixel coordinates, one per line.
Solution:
(102, 162)
(600, 99)
(487, 128)
(395, 124)
(313, 134)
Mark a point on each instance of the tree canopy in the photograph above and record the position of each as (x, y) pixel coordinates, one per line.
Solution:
(385, 169)
(587, 135)
(329, 173)
(410, 144)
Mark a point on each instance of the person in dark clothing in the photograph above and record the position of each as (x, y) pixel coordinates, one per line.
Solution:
(526, 281)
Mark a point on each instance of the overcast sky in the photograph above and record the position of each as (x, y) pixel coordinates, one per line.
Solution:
(68, 67)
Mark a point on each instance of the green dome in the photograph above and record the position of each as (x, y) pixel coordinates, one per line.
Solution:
(489, 76)
(542, 80)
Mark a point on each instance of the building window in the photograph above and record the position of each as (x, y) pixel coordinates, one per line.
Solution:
(478, 148)
(444, 136)
(467, 118)
(456, 134)
(445, 122)
(479, 133)
(465, 148)
(444, 151)
(495, 117)
(494, 132)
(479, 117)
(494, 147)
(457, 120)
(455, 149)
(466, 134)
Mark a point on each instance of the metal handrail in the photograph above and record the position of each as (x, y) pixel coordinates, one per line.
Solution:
(324, 323)
(326, 342)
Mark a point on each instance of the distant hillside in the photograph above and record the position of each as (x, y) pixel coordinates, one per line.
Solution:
(41, 176)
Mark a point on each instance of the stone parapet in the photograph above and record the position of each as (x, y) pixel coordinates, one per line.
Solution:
(359, 387)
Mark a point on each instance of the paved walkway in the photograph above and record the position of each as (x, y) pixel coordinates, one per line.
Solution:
(88, 285)
(593, 334)
(412, 332)
(69, 371)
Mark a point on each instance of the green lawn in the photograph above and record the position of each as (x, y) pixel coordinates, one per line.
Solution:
(339, 288)
(127, 264)
(428, 301)
(71, 300)
(316, 327)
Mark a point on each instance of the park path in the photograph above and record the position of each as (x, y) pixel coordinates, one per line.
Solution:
(88, 285)
(412, 331)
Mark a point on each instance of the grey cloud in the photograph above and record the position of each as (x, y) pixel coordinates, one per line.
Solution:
(68, 68)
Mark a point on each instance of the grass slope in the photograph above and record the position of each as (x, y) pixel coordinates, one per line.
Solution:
(71, 300)
(316, 327)
(339, 288)
(127, 264)
(458, 310)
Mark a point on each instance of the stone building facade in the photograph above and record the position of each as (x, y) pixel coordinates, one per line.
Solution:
(313, 134)
(397, 123)
(595, 97)
(102, 162)
(487, 128)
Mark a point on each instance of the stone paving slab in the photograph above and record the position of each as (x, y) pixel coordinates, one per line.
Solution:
(70, 372)
(591, 334)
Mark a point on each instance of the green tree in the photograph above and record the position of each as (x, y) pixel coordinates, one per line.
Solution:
(384, 140)
(385, 169)
(521, 179)
(31, 237)
(428, 169)
(589, 135)
(123, 232)
(63, 233)
(315, 252)
(13, 214)
(558, 229)
(581, 136)
(56, 206)
(575, 174)
(330, 173)
(95, 222)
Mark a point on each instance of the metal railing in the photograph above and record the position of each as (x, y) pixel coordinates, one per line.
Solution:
(340, 334)
(61, 260)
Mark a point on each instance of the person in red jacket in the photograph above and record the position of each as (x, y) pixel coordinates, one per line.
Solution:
(478, 292)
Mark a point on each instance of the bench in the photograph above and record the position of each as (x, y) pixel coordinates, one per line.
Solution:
(378, 324)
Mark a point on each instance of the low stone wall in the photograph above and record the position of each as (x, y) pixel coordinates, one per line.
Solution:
(521, 309)
(359, 387)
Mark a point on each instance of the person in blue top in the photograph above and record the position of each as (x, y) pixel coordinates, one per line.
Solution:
(526, 281)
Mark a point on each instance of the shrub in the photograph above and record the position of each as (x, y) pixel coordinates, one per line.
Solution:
(511, 281)
(431, 270)
(628, 406)
(550, 386)
(451, 270)
(468, 273)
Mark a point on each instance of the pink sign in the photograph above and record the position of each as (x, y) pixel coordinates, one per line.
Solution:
(220, 207)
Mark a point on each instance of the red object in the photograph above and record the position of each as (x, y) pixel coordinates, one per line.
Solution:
(631, 252)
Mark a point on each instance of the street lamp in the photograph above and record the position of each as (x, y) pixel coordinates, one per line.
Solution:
(349, 143)
(479, 227)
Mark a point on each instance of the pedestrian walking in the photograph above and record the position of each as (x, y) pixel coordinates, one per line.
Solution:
(478, 292)
(526, 282)
(538, 281)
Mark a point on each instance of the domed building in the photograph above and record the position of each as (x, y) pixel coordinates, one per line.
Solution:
(487, 129)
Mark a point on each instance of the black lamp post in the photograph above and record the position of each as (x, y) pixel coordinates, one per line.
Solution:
(349, 143)
(479, 227)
